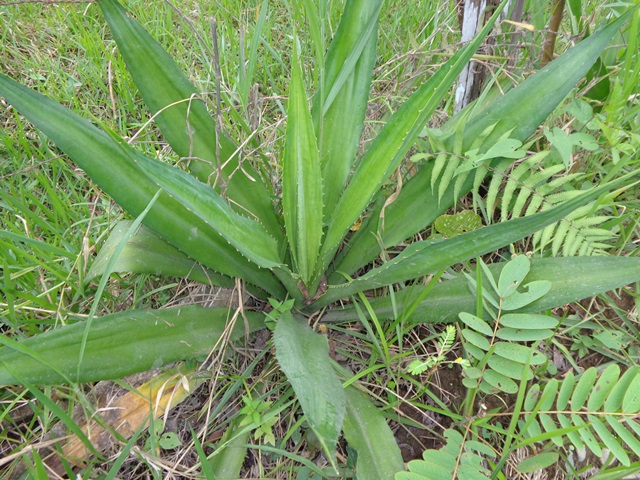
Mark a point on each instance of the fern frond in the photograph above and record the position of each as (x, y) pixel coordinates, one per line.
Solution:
(528, 188)
(452, 164)
(445, 343)
(498, 363)
(439, 164)
(517, 189)
(494, 188)
(575, 234)
(446, 164)
(457, 459)
(505, 362)
(591, 411)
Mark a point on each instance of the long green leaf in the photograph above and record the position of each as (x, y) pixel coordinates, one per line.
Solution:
(36, 244)
(183, 117)
(145, 252)
(520, 111)
(303, 356)
(367, 431)
(248, 236)
(572, 279)
(301, 181)
(340, 105)
(116, 168)
(425, 257)
(121, 344)
(393, 142)
(227, 462)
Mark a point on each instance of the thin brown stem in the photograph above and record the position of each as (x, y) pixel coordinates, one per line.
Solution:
(218, 117)
(552, 33)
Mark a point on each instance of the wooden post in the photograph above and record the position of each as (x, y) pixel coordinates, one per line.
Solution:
(472, 15)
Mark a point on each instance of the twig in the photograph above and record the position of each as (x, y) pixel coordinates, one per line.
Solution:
(550, 39)
(218, 125)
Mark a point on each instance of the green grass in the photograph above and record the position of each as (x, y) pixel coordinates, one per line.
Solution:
(52, 219)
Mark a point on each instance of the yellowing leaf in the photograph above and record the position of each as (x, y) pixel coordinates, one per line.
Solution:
(128, 412)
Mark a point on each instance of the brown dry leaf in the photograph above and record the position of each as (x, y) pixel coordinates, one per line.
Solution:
(128, 412)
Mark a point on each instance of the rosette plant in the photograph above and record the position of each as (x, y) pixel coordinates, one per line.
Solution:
(218, 218)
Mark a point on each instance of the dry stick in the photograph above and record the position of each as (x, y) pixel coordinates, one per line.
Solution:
(112, 97)
(217, 123)
(550, 39)
(242, 69)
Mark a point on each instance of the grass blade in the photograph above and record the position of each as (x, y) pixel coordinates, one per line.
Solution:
(58, 412)
(247, 79)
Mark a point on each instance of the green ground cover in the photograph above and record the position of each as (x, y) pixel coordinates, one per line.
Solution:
(54, 220)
